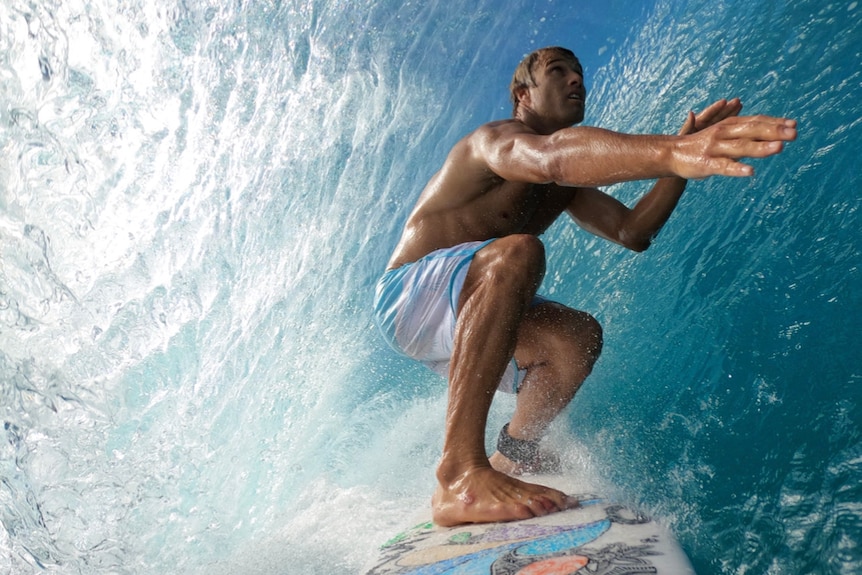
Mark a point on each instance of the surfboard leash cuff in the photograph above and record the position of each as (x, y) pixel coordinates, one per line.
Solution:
(523, 451)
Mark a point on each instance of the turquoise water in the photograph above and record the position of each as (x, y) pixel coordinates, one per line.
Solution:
(196, 199)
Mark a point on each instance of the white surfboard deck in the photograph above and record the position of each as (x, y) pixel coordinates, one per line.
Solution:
(599, 537)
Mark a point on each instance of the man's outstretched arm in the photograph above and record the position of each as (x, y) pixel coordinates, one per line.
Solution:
(585, 156)
(635, 228)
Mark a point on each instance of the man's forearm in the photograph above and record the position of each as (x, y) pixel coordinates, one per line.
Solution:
(653, 210)
(586, 156)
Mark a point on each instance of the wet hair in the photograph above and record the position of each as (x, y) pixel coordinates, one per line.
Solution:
(523, 76)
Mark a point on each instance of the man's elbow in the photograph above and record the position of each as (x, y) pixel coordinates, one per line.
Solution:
(635, 243)
(639, 247)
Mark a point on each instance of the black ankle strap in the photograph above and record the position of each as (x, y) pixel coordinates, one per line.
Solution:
(524, 451)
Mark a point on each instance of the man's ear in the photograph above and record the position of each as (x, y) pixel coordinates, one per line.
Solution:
(523, 94)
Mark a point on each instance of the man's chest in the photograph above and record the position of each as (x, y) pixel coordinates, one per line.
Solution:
(514, 208)
(547, 202)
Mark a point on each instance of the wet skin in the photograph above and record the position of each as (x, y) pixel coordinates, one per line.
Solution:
(510, 180)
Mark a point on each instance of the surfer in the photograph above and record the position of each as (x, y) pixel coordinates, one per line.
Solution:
(459, 293)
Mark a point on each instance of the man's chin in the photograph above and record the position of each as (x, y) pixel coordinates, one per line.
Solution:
(575, 117)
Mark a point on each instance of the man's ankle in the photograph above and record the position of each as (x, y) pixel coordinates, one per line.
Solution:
(450, 470)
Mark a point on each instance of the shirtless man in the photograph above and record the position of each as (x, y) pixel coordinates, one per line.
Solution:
(459, 293)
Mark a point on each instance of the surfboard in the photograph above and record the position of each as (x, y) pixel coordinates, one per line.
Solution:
(599, 537)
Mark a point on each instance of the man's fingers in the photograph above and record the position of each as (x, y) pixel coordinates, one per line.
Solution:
(718, 111)
(734, 169)
(725, 158)
(745, 148)
(723, 167)
(717, 149)
(708, 116)
(757, 128)
(690, 125)
(732, 108)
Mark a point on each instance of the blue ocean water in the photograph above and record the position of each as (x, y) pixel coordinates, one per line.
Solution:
(196, 199)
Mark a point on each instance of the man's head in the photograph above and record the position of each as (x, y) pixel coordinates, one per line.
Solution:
(533, 65)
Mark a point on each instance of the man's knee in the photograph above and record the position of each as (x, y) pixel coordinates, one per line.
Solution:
(519, 258)
(508, 269)
(592, 335)
(581, 338)
(580, 349)
(523, 247)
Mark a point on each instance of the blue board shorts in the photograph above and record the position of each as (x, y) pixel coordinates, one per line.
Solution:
(415, 308)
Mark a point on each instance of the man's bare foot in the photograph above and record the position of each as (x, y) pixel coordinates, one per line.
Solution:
(485, 495)
(545, 462)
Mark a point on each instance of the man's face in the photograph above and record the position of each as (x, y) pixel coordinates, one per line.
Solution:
(559, 94)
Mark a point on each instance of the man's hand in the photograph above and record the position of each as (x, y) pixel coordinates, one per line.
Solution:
(715, 150)
(712, 114)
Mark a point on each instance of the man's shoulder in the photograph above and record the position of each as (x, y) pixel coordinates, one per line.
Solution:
(487, 137)
(502, 127)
